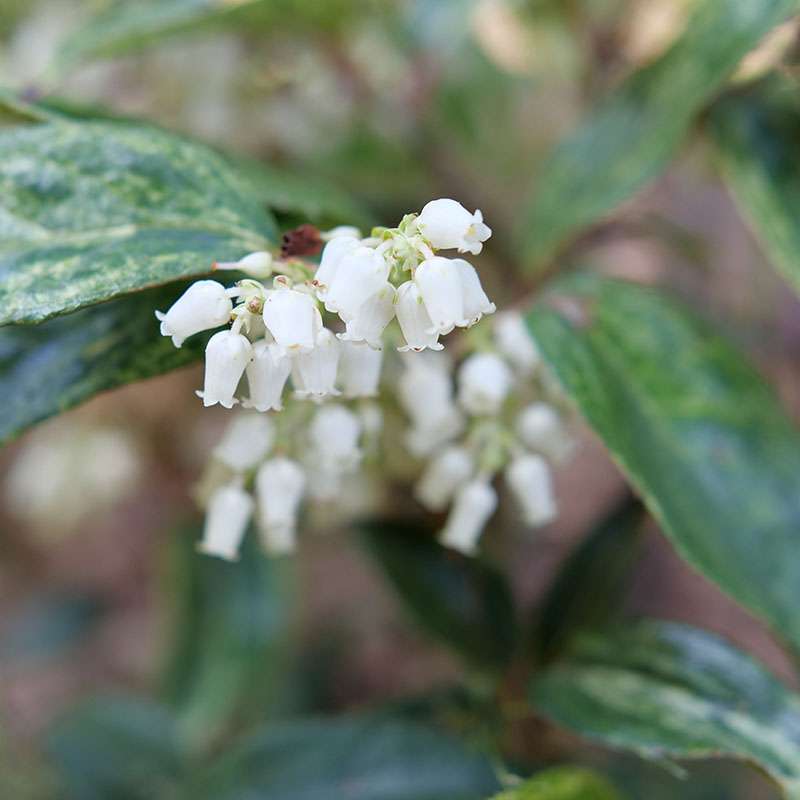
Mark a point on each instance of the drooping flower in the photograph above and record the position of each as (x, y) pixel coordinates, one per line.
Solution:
(443, 476)
(473, 505)
(540, 428)
(266, 376)
(333, 435)
(359, 369)
(333, 253)
(204, 305)
(439, 282)
(446, 224)
(256, 265)
(292, 318)
(360, 274)
(246, 442)
(476, 302)
(415, 322)
(317, 369)
(515, 342)
(374, 314)
(528, 477)
(229, 511)
(227, 355)
(280, 483)
(484, 381)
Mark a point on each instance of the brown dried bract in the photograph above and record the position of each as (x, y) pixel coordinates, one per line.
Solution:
(302, 241)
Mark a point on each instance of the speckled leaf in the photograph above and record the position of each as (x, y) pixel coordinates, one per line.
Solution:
(670, 691)
(695, 429)
(633, 134)
(562, 783)
(464, 602)
(46, 369)
(91, 210)
(348, 759)
(756, 135)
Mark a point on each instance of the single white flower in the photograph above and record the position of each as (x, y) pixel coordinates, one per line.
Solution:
(204, 305)
(334, 433)
(341, 231)
(443, 476)
(375, 313)
(528, 477)
(292, 318)
(415, 323)
(539, 427)
(425, 388)
(422, 440)
(227, 356)
(447, 224)
(476, 303)
(266, 376)
(359, 369)
(317, 369)
(371, 417)
(332, 254)
(473, 505)
(515, 342)
(280, 484)
(439, 283)
(359, 275)
(227, 516)
(246, 442)
(484, 381)
(257, 265)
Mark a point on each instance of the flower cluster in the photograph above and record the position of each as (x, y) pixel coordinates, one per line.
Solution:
(500, 416)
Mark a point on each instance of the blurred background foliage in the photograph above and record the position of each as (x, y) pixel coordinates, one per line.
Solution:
(652, 140)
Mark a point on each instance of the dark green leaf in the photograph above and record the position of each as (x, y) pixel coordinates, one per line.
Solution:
(756, 135)
(348, 759)
(589, 586)
(631, 137)
(562, 783)
(670, 691)
(92, 210)
(116, 747)
(695, 429)
(230, 623)
(464, 602)
(48, 368)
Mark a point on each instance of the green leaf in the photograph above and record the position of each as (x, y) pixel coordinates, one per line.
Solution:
(756, 136)
(49, 368)
(348, 759)
(562, 783)
(589, 585)
(670, 691)
(93, 210)
(632, 136)
(694, 428)
(231, 623)
(464, 602)
(120, 747)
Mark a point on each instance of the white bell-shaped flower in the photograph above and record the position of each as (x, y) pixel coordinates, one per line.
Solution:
(375, 313)
(341, 231)
(484, 381)
(292, 318)
(204, 305)
(425, 388)
(439, 282)
(228, 513)
(515, 342)
(266, 376)
(359, 275)
(540, 427)
(280, 484)
(246, 441)
(332, 254)
(415, 322)
(447, 224)
(443, 476)
(528, 476)
(334, 433)
(423, 440)
(359, 369)
(227, 356)
(474, 503)
(476, 302)
(317, 369)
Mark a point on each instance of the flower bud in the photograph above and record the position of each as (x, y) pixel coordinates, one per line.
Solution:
(359, 369)
(340, 231)
(292, 318)
(228, 513)
(415, 323)
(360, 274)
(334, 434)
(375, 313)
(476, 303)
(317, 369)
(484, 381)
(257, 265)
(246, 442)
(540, 428)
(472, 507)
(443, 476)
(204, 305)
(332, 255)
(439, 283)
(447, 224)
(266, 376)
(529, 479)
(280, 484)
(515, 342)
(227, 355)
